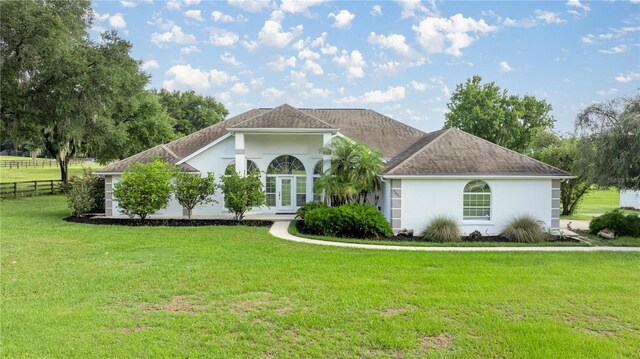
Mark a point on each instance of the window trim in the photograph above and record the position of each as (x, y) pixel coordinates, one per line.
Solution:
(477, 219)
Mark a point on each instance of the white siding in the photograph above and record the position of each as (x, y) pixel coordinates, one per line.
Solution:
(425, 198)
(630, 199)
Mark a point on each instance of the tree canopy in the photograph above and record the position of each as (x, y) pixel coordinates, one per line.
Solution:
(192, 112)
(491, 113)
(610, 142)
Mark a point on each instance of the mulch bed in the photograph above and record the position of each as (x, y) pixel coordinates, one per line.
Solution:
(168, 222)
(484, 238)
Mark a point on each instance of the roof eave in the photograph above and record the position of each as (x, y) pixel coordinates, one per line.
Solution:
(282, 130)
(463, 176)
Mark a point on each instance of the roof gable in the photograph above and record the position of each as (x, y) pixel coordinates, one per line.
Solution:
(283, 116)
(455, 152)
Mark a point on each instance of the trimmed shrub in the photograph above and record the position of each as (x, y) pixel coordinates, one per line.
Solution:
(241, 193)
(618, 222)
(302, 211)
(85, 194)
(192, 189)
(442, 229)
(524, 229)
(351, 220)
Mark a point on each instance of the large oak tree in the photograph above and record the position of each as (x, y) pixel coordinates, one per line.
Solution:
(66, 93)
(491, 113)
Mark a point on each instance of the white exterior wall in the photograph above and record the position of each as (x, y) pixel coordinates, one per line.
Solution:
(422, 199)
(173, 210)
(630, 199)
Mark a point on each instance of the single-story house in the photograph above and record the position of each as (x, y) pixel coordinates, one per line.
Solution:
(446, 172)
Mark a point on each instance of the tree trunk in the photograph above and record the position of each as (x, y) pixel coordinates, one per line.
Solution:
(64, 169)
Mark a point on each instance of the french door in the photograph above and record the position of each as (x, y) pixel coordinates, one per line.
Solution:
(285, 195)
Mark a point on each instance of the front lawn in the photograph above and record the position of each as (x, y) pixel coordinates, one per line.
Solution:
(75, 290)
(598, 202)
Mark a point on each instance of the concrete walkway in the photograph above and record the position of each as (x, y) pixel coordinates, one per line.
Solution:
(280, 230)
(575, 224)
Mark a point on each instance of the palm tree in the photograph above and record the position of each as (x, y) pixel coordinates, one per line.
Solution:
(353, 173)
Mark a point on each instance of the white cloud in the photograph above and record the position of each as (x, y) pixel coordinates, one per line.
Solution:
(389, 68)
(410, 8)
(173, 4)
(548, 16)
(298, 79)
(128, 4)
(343, 19)
(251, 5)
(161, 23)
(608, 92)
(228, 58)
(394, 41)
(504, 67)
(315, 68)
(239, 88)
(185, 77)
(116, 20)
(189, 49)
(591, 39)
(308, 54)
(588, 40)
(194, 14)
(579, 5)
(376, 10)
(377, 96)
(150, 64)
(221, 37)
(249, 45)
(353, 63)
(272, 34)
(418, 86)
(191, 2)
(279, 63)
(523, 23)
(630, 76)
(615, 50)
(175, 35)
(221, 17)
(299, 6)
(272, 93)
(434, 33)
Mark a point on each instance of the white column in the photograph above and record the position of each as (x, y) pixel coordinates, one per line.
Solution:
(241, 161)
(326, 157)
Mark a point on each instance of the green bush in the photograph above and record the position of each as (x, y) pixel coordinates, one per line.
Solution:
(616, 221)
(242, 192)
(85, 194)
(351, 220)
(524, 229)
(145, 188)
(302, 211)
(192, 189)
(442, 229)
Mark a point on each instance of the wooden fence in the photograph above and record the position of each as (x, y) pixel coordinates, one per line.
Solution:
(49, 162)
(29, 188)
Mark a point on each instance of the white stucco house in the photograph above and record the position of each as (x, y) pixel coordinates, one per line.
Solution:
(447, 172)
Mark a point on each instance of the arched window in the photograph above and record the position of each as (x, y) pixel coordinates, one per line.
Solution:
(477, 201)
(286, 165)
(251, 166)
(317, 171)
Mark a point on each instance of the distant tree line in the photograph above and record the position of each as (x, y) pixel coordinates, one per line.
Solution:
(70, 95)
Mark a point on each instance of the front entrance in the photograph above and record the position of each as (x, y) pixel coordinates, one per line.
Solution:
(285, 196)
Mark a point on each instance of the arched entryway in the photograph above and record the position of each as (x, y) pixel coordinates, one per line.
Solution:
(286, 184)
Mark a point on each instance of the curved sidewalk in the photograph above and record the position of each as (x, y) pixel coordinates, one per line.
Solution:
(280, 230)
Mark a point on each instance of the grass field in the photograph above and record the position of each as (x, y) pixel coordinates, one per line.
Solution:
(73, 290)
(41, 173)
(598, 201)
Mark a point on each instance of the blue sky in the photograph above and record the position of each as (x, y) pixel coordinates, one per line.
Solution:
(401, 58)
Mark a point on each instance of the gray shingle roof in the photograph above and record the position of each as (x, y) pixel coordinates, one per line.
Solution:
(283, 116)
(375, 130)
(455, 152)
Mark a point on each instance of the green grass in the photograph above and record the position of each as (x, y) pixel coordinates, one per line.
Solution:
(598, 201)
(73, 290)
(293, 230)
(16, 158)
(40, 173)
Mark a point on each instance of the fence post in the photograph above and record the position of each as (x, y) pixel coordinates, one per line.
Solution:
(35, 188)
(15, 189)
(51, 186)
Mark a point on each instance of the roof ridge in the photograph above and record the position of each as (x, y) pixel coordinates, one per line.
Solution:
(438, 136)
(510, 150)
(285, 105)
(169, 151)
